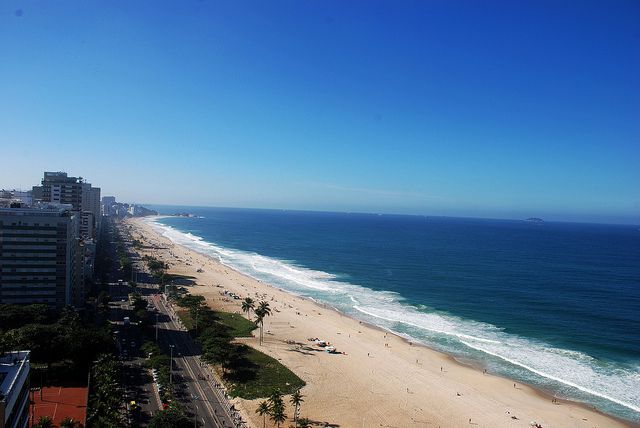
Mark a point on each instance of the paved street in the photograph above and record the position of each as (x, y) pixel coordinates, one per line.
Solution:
(137, 382)
(193, 382)
(196, 385)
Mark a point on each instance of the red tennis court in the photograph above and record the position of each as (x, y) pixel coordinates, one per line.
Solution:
(59, 402)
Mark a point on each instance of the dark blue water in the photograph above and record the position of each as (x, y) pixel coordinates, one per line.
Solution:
(527, 300)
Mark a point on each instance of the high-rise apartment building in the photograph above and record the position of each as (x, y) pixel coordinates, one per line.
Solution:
(91, 199)
(107, 204)
(39, 256)
(57, 187)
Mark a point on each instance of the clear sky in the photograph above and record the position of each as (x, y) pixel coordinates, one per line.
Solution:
(473, 108)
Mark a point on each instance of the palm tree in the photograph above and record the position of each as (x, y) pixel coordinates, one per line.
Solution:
(304, 423)
(278, 416)
(296, 400)
(276, 407)
(247, 305)
(68, 422)
(263, 410)
(263, 310)
(44, 422)
(258, 322)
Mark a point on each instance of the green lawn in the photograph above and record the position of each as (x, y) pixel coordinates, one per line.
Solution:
(266, 375)
(238, 325)
(185, 317)
(259, 374)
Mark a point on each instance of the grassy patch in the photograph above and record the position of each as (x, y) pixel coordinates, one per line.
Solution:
(175, 276)
(248, 373)
(237, 324)
(186, 319)
(265, 375)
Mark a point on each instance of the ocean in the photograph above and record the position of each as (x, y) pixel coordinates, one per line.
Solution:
(553, 305)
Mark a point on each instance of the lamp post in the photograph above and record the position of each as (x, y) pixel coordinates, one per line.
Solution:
(195, 416)
(171, 366)
(197, 312)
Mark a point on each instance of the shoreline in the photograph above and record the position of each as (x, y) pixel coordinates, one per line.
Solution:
(493, 406)
(472, 364)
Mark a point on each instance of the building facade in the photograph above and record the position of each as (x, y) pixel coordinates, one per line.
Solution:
(14, 390)
(107, 205)
(39, 257)
(91, 204)
(57, 187)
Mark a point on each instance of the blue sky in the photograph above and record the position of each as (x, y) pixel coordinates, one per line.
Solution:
(489, 109)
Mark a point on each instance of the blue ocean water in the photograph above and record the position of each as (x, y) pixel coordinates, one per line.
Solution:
(555, 305)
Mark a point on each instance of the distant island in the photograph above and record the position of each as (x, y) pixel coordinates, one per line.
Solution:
(535, 220)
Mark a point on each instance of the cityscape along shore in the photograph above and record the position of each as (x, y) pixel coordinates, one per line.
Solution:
(374, 378)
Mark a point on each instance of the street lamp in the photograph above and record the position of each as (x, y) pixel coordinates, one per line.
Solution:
(197, 312)
(195, 416)
(157, 327)
(171, 366)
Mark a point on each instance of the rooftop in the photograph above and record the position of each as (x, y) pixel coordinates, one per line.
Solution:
(11, 364)
(42, 209)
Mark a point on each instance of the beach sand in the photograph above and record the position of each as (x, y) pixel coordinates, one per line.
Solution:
(382, 380)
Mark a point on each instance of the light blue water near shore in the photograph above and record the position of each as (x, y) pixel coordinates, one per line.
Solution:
(555, 305)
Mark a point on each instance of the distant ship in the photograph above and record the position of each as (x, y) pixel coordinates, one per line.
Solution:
(535, 220)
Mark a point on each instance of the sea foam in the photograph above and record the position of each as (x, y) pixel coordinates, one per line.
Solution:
(566, 373)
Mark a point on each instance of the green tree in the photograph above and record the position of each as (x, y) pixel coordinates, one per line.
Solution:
(276, 408)
(103, 300)
(263, 410)
(304, 423)
(263, 310)
(68, 422)
(105, 401)
(15, 316)
(248, 305)
(190, 301)
(44, 422)
(296, 400)
(215, 342)
(138, 302)
(172, 417)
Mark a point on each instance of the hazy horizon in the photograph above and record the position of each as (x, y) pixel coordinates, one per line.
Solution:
(551, 218)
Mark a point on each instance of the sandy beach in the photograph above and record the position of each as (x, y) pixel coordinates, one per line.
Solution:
(380, 380)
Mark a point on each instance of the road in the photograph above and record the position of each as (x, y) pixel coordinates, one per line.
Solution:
(206, 404)
(137, 382)
(189, 375)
